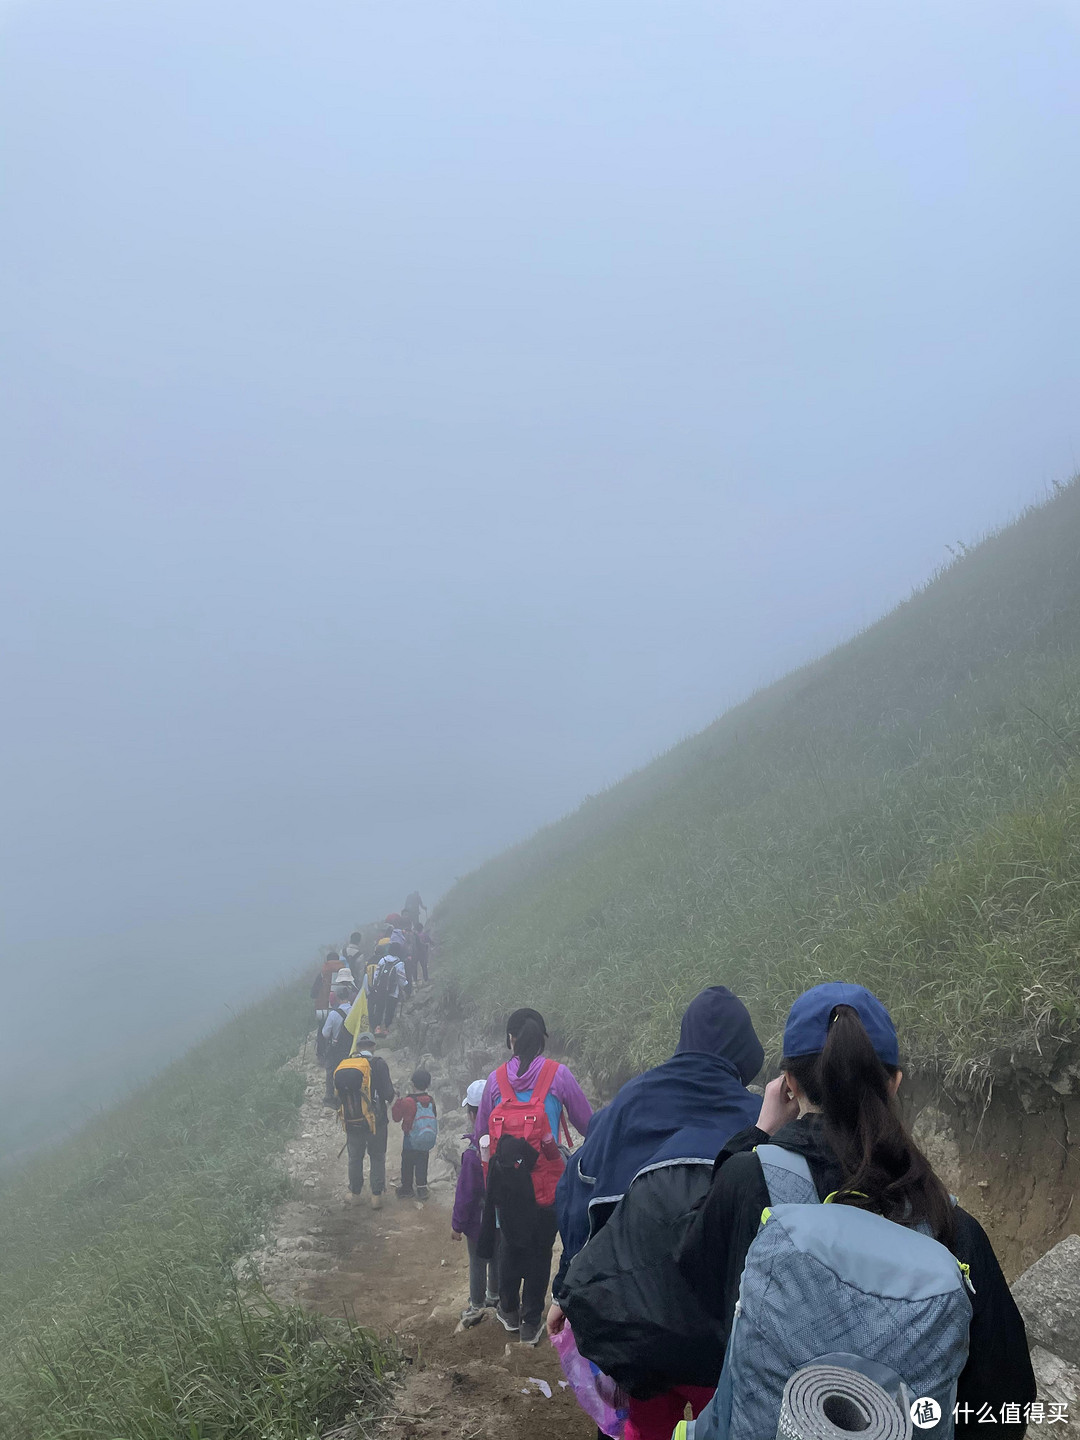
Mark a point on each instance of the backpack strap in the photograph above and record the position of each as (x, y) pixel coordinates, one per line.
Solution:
(543, 1082)
(787, 1176)
(540, 1089)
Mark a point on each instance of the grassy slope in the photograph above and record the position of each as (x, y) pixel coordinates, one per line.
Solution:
(121, 1316)
(904, 812)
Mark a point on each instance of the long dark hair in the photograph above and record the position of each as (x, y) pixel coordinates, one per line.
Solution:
(525, 1035)
(884, 1170)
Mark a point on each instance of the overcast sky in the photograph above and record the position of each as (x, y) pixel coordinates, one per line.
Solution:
(418, 415)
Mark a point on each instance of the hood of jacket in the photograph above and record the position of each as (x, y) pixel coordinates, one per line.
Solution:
(524, 1079)
(718, 1023)
(697, 1100)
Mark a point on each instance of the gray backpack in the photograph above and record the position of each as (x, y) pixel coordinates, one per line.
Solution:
(823, 1278)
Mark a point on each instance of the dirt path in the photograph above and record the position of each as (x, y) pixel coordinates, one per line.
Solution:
(397, 1269)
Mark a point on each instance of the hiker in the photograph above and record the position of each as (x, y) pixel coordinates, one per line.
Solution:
(467, 1214)
(320, 993)
(336, 1038)
(647, 1159)
(830, 1130)
(422, 950)
(364, 1088)
(353, 953)
(382, 944)
(388, 984)
(420, 1129)
(524, 1168)
(410, 952)
(362, 1016)
(412, 907)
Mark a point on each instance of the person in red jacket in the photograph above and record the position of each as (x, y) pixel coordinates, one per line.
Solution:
(320, 993)
(418, 1117)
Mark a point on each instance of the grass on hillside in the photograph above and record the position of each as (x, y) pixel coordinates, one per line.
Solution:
(122, 1319)
(904, 812)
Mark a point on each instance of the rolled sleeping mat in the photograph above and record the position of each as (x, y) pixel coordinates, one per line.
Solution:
(825, 1402)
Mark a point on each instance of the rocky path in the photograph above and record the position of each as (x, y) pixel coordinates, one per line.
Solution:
(397, 1269)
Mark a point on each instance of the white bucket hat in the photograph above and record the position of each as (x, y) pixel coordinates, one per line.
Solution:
(343, 977)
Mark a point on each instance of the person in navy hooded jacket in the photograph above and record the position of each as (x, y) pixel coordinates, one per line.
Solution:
(647, 1159)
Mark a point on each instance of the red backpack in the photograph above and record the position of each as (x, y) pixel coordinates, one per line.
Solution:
(528, 1120)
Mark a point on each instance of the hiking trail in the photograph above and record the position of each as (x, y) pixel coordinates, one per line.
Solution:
(398, 1270)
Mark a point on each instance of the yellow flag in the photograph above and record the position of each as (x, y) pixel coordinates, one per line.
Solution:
(356, 1022)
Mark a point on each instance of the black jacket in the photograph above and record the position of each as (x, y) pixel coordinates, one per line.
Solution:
(511, 1197)
(713, 1252)
(631, 1311)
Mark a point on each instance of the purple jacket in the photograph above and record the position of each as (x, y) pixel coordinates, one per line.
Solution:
(565, 1094)
(469, 1195)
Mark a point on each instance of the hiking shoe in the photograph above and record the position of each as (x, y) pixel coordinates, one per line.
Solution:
(472, 1315)
(491, 1302)
(531, 1334)
(421, 1192)
(403, 1194)
(511, 1322)
(376, 1202)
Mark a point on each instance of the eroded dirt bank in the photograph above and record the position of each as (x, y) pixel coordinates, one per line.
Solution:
(1013, 1161)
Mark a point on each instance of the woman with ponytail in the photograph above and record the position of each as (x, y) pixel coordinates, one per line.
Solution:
(835, 1105)
(527, 1229)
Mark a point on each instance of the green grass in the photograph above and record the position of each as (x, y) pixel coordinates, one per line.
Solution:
(122, 1318)
(904, 812)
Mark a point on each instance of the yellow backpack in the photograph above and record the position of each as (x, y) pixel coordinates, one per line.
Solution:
(352, 1080)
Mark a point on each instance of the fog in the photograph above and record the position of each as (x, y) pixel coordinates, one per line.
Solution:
(417, 416)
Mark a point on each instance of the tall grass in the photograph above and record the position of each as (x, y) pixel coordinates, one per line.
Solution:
(904, 812)
(121, 1317)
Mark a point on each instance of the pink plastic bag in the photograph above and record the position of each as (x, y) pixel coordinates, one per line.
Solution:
(596, 1393)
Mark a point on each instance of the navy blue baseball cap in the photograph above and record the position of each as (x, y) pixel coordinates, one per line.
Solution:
(808, 1021)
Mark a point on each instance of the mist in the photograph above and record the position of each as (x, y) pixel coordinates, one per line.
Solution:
(418, 417)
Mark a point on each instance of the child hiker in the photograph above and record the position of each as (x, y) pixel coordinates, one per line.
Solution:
(468, 1211)
(420, 1129)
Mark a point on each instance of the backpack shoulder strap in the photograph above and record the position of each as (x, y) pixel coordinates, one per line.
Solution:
(543, 1082)
(787, 1176)
(502, 1079)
